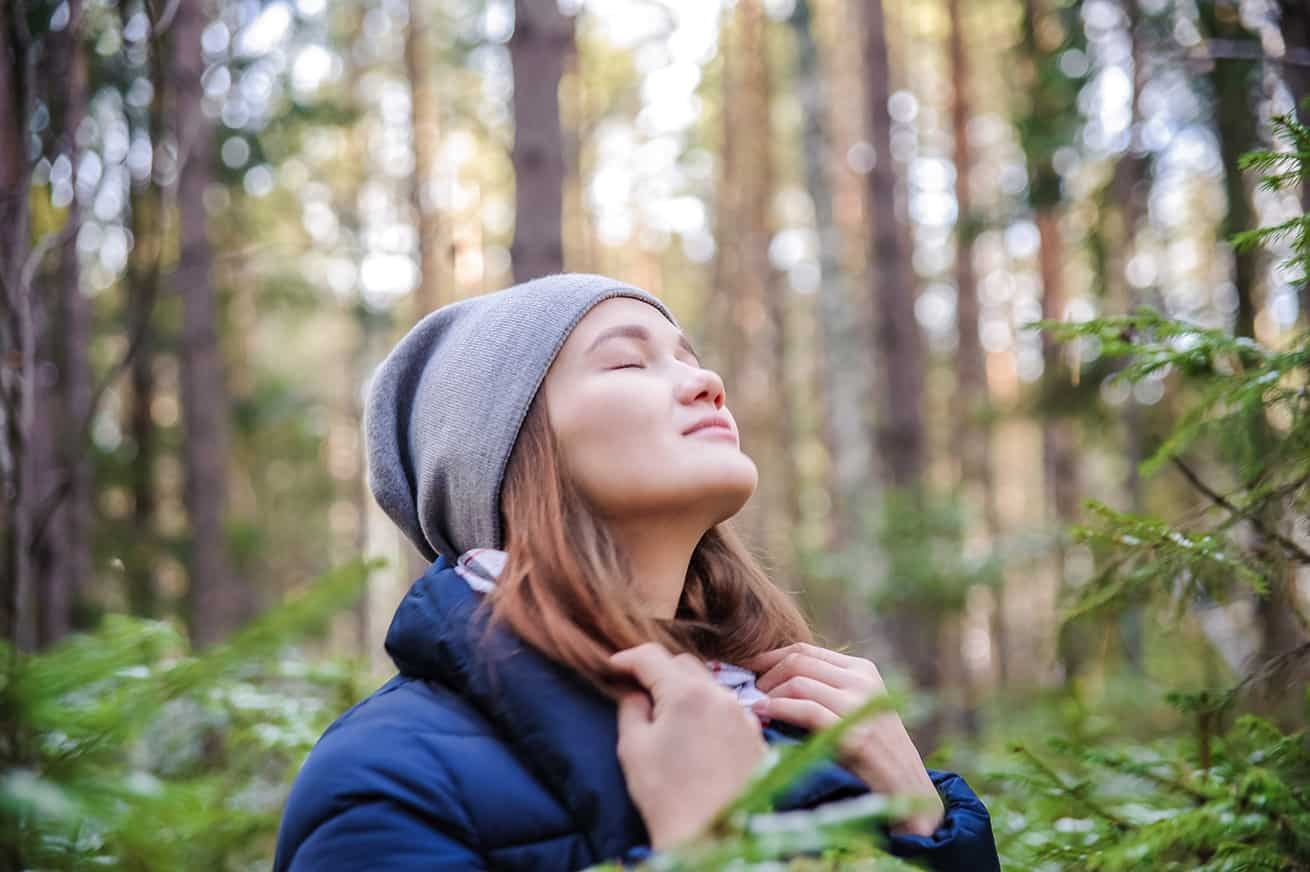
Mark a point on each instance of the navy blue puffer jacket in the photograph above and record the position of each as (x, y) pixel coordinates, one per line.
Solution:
(492, 756)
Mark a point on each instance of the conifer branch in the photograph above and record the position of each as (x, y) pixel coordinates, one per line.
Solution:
(1293, 550)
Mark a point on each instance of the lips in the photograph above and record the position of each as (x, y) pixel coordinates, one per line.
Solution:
(717, 421)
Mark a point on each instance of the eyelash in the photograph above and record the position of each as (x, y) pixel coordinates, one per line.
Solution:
(629, 366)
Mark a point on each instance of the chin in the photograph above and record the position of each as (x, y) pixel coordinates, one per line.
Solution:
(729, 491)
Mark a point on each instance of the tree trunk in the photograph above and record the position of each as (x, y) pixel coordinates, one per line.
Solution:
(143, 286)
(1294, 19)
(1235, 123)
(843, 375)
(538, 50)
(62, 546)
(727, 346)
(218, 600)
(901, 442)
(973, 436)
(763, 392)
(426, 139)
(973, 430)
(143, 275)
(17, 342)
(913, 628)
(1049, 127)
(1121, 214)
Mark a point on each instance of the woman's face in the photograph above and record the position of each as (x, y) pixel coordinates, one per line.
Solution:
(623, 394)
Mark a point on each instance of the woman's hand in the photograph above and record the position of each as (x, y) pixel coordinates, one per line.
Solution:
(813, 688)
(686, 745)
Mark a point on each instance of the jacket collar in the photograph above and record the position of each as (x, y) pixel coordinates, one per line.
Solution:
(563, 730)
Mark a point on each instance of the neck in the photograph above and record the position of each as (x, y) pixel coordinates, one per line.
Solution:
(659, 552)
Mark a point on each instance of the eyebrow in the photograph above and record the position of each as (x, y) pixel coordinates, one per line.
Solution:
(637, 331)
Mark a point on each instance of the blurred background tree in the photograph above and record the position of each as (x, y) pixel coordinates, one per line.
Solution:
(216, 217)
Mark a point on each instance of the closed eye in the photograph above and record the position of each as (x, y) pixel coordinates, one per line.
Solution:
(628, 366)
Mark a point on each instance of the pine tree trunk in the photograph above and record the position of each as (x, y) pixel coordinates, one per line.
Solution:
(914, 630)
(426, 140)
(539, 50)
(843, 374)
(973, 437)
(218, 601)
(144, 269)
(900, 432)
(726, 348)
(17, 342)
(1121, 217)
(1294, 20)
(1059, 463)
(973, 431)
(764, 399)
(1235, 123)
(59, 550)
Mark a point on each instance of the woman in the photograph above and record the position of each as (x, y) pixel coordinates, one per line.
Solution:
(594, 665)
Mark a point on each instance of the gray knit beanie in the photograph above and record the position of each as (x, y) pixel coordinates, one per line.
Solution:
(445, 407)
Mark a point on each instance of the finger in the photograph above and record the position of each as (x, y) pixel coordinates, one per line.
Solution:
(692, 666)
(803, 664)
(634, 712)
(804, 687)
(769, 659)
(801, 712)
(650, 664)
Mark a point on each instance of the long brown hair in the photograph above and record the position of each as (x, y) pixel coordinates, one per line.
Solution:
(567, 589)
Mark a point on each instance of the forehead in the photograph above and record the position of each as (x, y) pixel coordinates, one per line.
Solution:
(613, 312)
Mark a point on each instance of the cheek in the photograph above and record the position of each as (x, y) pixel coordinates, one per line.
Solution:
(615, 437)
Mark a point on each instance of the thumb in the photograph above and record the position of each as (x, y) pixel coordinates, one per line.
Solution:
(634, 712)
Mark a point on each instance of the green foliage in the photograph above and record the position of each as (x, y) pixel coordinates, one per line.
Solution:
(1281, 170)
(1140, 555)
(1120, 806)
(124, 750)
(921, 539)
(1235, 381)
(1047, 81)
(1235, 793)
(927, 564)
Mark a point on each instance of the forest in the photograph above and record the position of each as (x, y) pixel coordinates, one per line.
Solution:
(1011, 299)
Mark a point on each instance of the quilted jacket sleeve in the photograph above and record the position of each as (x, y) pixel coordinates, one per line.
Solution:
(366, 798)
(963, 841)
(380, 834)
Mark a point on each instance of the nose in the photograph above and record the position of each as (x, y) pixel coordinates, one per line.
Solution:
(701, 384)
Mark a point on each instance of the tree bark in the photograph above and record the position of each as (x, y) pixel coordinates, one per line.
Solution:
(973, 436)
(218, 601)
(914, 627)
(67, 539)
(727, 347)
(973, 430)
(1294, 20)
(1235, 123)
(901, 441)
(17, 342)
(843, 375)
(143, 280)
(426, 134)
(763, 392)
(1120, 216)
(539, 50)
